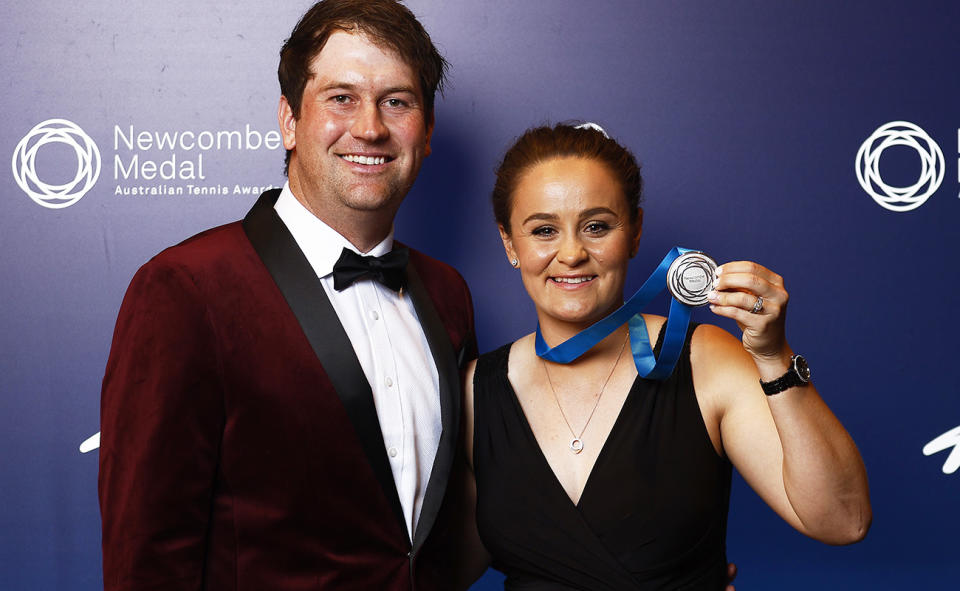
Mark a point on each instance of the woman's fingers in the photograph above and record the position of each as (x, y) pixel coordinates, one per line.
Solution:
(749, 268)
(746, 301)
(755, 298)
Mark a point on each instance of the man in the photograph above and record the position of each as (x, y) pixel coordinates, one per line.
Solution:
(273, 417)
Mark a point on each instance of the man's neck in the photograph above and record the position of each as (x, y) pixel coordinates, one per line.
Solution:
(363, 229)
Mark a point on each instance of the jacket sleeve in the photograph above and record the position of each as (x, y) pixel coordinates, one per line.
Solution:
(161, 421)
(467, 350)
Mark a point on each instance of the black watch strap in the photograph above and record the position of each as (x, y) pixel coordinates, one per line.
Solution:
(797, 375)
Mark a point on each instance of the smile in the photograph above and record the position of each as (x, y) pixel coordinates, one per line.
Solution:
(573, 280)
(365, 160)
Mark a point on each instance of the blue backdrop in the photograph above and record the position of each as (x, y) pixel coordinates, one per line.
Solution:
(747, 117)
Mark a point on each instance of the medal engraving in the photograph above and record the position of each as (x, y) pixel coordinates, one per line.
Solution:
(690, 278)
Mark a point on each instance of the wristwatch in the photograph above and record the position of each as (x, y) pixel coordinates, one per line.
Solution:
(797, 375)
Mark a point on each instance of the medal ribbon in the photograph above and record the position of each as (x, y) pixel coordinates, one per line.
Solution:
(648, 365)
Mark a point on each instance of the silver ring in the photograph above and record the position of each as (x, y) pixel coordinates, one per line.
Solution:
(757, 306)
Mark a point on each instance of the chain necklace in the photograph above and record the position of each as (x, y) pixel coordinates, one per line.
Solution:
(576, 444)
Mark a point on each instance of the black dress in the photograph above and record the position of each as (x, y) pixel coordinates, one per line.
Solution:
(653, 512)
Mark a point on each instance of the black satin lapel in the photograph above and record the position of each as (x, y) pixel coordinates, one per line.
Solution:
(449, 378)
(307, 299)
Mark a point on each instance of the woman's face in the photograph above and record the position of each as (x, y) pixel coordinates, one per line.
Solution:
(572, 235)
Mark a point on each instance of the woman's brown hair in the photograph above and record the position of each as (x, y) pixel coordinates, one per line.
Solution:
(565, 140)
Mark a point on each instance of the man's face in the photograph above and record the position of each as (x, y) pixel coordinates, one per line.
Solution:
(362, 132)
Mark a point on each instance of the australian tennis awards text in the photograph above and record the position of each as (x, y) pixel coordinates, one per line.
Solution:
(179, 155)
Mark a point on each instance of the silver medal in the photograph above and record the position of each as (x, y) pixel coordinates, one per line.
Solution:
(691, 277)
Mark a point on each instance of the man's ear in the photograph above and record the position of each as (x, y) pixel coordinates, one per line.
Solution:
(507, 244)
(637, 232)
(288, 124)
(430, 120)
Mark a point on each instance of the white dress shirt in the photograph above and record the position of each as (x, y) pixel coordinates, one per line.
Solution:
(389, 342)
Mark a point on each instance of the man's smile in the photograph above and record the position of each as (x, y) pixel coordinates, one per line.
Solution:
(365, 160)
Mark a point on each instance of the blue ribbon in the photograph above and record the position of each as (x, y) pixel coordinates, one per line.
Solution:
(648, 365)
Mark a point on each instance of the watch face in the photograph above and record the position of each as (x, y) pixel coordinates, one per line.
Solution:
(803, 370)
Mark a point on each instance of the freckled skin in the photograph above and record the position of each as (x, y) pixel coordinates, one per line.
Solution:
(570, 219)
(361, 100)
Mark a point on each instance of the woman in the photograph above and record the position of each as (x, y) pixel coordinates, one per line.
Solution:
(590, 477)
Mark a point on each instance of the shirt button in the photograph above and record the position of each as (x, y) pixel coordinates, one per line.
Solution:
(374, 315)
(393, 452)
(388, 381)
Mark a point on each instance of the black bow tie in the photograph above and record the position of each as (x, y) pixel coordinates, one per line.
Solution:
(389, 269)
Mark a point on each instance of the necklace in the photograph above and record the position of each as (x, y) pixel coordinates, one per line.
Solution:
(576, 444)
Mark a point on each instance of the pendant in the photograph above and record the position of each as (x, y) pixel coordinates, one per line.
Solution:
(576, 445)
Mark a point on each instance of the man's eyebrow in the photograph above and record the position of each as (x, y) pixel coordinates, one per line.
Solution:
(337, 86)
(396, 89)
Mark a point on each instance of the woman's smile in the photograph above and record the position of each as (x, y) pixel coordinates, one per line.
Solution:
(572, 282)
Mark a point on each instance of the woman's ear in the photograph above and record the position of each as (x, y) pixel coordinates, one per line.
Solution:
(637, 231)
(508, 246)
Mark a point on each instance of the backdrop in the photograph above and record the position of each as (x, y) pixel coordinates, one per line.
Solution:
(763, 132)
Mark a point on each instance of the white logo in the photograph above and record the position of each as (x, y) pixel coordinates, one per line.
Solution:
(949, 439)
(56, 131)
(900, 133)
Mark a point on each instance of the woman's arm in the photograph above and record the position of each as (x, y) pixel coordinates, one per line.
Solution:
(474, 556)
(789, 446)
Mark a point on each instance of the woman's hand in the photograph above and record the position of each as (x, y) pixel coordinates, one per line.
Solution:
(755, 298)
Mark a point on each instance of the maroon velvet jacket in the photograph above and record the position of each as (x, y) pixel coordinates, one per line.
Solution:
(240, 448)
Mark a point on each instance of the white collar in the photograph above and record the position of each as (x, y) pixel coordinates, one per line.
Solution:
(320, 243)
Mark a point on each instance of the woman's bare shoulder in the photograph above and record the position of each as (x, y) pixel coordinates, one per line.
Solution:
(654, 322)
(712, 347)
(722, 368)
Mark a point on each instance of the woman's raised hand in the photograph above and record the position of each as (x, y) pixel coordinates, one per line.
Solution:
(755, 298)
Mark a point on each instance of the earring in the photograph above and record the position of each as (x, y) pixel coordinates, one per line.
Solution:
(515, 263)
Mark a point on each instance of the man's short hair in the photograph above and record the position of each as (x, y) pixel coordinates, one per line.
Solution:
(386, 23)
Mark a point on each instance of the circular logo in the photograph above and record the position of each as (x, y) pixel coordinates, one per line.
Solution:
(690, 278)
(900, 133)
(56, 131)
